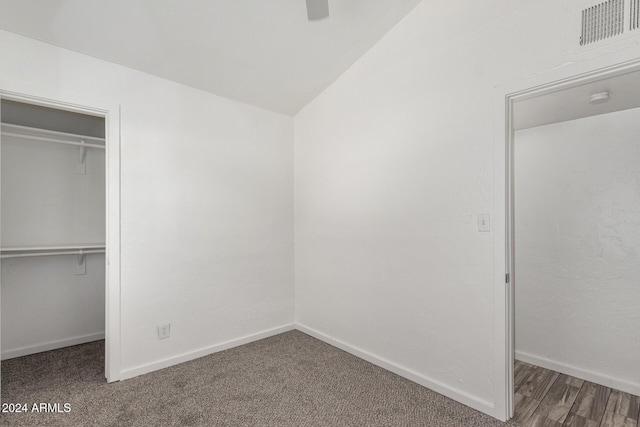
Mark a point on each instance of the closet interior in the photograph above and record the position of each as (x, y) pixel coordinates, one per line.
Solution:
(52, 228)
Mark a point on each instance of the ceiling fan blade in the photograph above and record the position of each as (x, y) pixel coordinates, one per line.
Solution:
(317, 9)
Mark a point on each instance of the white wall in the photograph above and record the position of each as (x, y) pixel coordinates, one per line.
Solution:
(206, 235)
(47, 118)
(46, 306)
(577, 242)
(393, 162)
(44, 201)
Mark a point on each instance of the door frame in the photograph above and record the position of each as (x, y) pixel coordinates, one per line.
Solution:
(79, 103)
(603, 67)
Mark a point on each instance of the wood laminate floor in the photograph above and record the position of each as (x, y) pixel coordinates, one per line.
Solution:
(550, 399)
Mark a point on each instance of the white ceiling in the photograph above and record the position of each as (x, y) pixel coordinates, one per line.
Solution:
(262, 52)
(573, 103)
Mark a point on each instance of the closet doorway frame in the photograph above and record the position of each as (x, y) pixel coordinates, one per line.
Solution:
(78, 103)
(590, 70)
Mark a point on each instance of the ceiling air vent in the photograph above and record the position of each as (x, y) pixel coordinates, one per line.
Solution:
(602, 21)
(635, 15)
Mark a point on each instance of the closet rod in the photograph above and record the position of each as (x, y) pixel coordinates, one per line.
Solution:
(78, 252)
(57, 141)
(51, 248)
(51, 132)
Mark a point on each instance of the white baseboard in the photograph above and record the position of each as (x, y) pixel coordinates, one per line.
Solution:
(185, 357)
(52, 345)
(574, 371)
(437, 386)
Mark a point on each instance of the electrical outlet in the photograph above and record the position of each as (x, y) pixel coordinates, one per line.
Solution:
(484, 222)
(164, 331)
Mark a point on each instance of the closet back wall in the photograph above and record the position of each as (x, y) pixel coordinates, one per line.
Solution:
(577, 240)
(206, 206)
(22, 114)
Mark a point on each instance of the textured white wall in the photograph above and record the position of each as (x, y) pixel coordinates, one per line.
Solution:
(56, 120)
(577, 242)
(206, 236)
(44, 202)
(46, 306)
(393, 162)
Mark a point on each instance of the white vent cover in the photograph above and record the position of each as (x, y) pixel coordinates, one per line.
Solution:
(603, 21)
(635, 15)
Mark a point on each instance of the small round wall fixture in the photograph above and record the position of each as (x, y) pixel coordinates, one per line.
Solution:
(599, 98)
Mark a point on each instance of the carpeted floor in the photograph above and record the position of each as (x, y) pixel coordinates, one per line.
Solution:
(287, 380)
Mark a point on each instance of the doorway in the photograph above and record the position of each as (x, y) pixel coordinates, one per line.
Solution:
(576, 245)
(81, 241)
(511, 107)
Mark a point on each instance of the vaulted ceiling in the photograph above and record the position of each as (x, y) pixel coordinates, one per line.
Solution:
(261, 52)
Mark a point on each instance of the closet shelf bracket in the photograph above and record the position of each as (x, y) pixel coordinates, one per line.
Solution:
(81, 167)
(81, 266)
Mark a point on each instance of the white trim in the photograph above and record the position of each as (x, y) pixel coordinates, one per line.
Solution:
(113, 299)
(503, 397)
(617, 63)
(585, 374)
(185, 357)
(0, 275)
(22, 91)
(437, 386)
(52, 345)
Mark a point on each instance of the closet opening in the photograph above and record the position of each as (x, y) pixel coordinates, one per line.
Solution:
(592, 154)
(53, 228)
(576, 239)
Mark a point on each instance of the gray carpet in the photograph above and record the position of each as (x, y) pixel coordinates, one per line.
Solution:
(287, 380)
